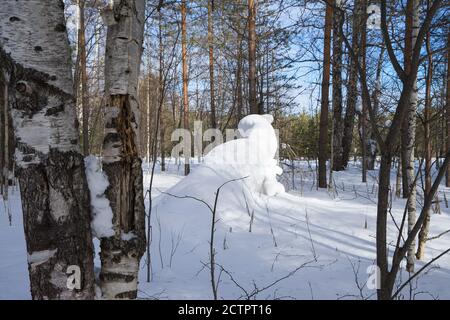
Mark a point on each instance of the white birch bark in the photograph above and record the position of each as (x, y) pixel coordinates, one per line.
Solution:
(121, 253)
(411, 134)
(34, 51)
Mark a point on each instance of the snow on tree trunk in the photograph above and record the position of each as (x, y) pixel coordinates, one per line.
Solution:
(120, 254)
(34, 53)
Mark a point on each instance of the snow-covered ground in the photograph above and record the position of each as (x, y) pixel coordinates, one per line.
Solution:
(316, 243)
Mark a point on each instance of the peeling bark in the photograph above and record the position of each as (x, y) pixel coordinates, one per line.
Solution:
(120, 254)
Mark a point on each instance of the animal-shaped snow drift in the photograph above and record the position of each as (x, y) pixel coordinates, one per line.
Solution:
(251, 156)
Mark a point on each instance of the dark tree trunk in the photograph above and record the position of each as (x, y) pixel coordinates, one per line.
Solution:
(83, 76)
(364, 113)
(239, 68)
(161, 93)
(187, 168)
(352, 91)
(371, 144)
(3, 106)
(384, 293)
(323, 126)
(337, 91)
(252, 99)
(447, 107)
(211, 62)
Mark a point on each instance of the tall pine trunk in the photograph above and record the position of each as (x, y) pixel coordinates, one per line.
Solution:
(252, 99)
(211, 62)
(337, 91)
(161, 92)
(121, 253)
(364, 113)
(83, 76)
(447, 107)
(323, 126)
(3, 107)
(239, 66)
(352, 91)
(50, 168)
(185, 81)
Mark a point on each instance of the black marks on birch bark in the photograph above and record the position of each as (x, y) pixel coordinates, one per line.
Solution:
(60, 27)
(125, 194)
(54, 191)
(57, 218)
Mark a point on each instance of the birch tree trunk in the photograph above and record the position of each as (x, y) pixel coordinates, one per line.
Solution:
(50, 168)
(409, 127)
(323, 126)
(423, 234)
(121, 253)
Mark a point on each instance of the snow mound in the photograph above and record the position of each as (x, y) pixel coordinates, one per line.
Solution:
(251, 157)
(102, 215)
